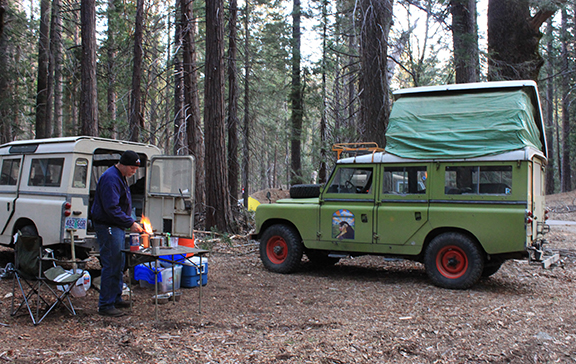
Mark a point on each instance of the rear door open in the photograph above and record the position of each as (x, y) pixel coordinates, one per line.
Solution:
(170, 195)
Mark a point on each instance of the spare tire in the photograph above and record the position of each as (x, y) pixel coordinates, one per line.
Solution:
(305, 191)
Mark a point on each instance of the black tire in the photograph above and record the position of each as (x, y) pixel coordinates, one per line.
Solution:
(305, 191)
(29, 230)
(281, 249)
(490, 268)
(453, 261)
(320, 258)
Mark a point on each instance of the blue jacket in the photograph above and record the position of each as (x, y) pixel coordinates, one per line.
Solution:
(113, 201)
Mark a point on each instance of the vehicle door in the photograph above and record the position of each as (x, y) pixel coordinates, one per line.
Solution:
(9, 179)
(403, 203)
(347, 206)
(170, 195)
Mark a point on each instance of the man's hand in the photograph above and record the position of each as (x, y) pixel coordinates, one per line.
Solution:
(136, 228)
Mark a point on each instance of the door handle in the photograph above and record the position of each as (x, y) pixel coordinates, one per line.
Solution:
(418, 216)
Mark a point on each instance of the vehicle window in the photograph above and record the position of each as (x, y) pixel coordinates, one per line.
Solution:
(478, 180)
(404, 180)
(351, 180)
(46, 172)
(10, 171)
(80, 173)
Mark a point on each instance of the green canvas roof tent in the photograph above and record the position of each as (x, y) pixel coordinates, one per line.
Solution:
(465, 120)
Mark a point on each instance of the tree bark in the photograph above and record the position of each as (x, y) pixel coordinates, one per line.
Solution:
(43, 89)
(465, 40)
(296, 99)
(246, 126)
(56, 66)
(194, 133)
(88, 92)
(218, 212)
(179, 88)
(513, 39)
(566, 173)
(232, 121)
(322, 172)
(111, 107)
(136, 121)
(3, 4)
(549, 108)
(374, 98)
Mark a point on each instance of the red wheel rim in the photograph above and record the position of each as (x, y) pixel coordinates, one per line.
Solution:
(277, 249)
(452, 262)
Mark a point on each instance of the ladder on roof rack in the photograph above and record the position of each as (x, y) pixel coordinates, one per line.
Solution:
(356, 148)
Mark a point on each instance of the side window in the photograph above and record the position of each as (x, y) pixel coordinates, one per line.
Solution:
(404, 180)
(351, 180)
(80, 173)
(478, 180)
(10, 171)
(46, 172)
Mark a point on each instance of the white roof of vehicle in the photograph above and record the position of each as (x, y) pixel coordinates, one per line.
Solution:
(383, 157)
(78, 144)
(468, 87)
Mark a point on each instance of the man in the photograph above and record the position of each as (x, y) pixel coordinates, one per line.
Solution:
(111, 214)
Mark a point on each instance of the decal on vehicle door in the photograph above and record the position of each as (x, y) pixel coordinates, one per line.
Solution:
(343, 225)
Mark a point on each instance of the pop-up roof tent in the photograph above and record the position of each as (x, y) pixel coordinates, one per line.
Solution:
(465, 120)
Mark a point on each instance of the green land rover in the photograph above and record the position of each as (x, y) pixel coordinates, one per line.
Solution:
(459, 188)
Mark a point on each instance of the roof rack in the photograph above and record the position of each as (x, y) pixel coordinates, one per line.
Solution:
(356, 148)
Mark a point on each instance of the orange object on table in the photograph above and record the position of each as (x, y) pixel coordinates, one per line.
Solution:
(189, 242)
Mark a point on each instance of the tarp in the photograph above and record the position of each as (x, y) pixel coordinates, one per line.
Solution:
(461, 125)
(252, 203)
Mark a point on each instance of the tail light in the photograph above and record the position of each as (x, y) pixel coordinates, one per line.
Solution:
(546, 214)
(67, 207)
(529, 217)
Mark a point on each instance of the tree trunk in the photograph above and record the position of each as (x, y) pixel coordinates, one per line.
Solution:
(7, 90)
(232, 121)
(218, 212)
(246, 128)
(465, 39)
(43, 129)
(374, 98)
(513, 37)
(111, 107)
(56, 47)
(88, 92)
(3, 4)
(323, 122)
(179, 88)
(549, 107)
(566, 174)
(194, 134)
(296, 99)
(136, 121)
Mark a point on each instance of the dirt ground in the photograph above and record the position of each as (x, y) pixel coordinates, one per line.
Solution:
(363, 310)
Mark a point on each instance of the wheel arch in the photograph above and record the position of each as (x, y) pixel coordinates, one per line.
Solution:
(439, 231)
(271, 222)
(23, 221)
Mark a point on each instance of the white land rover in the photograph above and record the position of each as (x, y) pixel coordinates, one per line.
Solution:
(47, 187)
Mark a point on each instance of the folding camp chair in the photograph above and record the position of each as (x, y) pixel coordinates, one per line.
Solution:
(38, 279)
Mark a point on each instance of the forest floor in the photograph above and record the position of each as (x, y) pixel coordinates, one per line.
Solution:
(363, 310)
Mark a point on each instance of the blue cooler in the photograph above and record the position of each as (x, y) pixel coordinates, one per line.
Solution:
(191, 274)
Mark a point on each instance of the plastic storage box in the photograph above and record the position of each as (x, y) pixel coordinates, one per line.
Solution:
(191, 273)
(165, 279)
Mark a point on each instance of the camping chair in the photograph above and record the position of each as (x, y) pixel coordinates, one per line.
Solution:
(38, 279)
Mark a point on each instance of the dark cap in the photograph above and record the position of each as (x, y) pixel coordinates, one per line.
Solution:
(130, 158)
